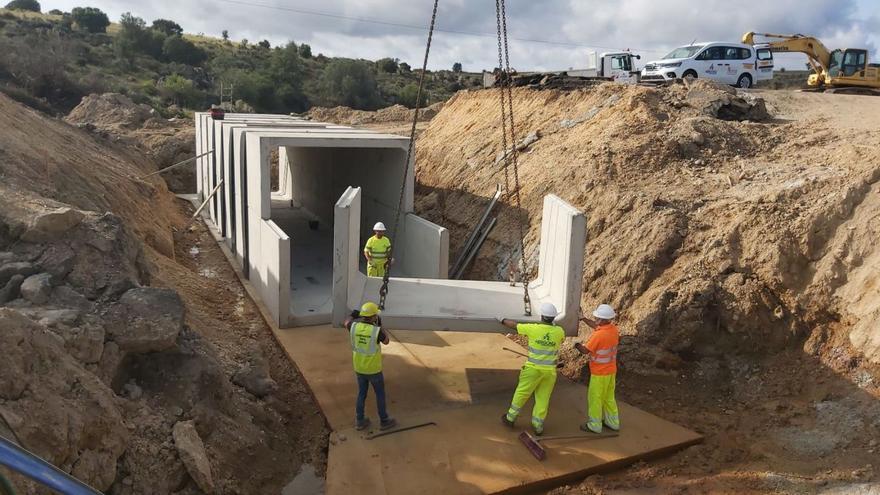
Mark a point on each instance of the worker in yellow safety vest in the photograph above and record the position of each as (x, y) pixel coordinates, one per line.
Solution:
(366, 338)
(378, 252)
(601, 348)
(538, 374)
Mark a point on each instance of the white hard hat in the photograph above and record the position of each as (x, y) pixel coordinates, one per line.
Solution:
(379, 226)
(604, 312)
(549, 310)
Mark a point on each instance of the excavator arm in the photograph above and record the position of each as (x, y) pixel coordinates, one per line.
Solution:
(818, 54)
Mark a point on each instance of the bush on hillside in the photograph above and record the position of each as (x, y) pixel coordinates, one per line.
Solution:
(90, 19)
(350, 83)
(166, 27)
(177, 49)
(134, 38)
(387, 65)
(305, 51)
(408, 94)
(30, 5)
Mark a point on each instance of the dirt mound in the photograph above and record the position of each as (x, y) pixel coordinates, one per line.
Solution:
(113, 335)
(705, 231)
(116, 119)
(350, 116)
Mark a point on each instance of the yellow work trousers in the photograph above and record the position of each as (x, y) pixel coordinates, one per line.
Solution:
(538, 381)
(601, 406)
(376, 268)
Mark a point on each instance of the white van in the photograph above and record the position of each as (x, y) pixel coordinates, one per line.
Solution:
(729, 63)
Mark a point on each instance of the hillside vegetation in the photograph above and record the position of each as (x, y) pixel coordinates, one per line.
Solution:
(50, 61)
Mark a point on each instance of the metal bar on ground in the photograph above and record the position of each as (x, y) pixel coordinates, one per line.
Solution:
(476, 249)
(474, 233)
(205, 203)
(34, 467)
(178, 164)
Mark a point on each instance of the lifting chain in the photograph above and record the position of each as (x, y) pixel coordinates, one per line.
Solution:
(383, 290)
(510, 154)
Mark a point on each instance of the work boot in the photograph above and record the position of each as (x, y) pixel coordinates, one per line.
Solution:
(387, 423)
(507, 422)
(538, 431)
(586, 427)
(361, 424)
(606, 425)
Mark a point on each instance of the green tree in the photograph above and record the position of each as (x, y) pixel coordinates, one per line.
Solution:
(90, 19)
(305, 51)
(177, 49)
(177, 89)
(134, 38)
(404, 68)
(387, 65)
(285, 67)
(351, 83)
(31, 5)
(456, 67)
(265, 44)
(56, 12)
(169, 28)
(225, 35)
(408, 94)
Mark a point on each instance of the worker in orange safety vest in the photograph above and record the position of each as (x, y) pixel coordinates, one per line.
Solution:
(601, 348)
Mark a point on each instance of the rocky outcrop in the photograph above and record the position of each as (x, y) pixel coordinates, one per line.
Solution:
(146, 320)
(37, 288)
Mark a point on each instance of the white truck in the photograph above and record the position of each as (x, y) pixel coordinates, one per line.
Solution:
(613, 66)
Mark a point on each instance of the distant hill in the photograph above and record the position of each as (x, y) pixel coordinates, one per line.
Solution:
(50, 61)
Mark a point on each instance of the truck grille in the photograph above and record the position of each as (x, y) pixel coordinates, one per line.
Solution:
(650, 67)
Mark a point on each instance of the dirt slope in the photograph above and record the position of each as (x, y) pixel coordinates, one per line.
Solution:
(742, 256)
(123, 326)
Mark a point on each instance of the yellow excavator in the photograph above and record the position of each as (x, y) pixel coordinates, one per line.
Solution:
(836, 71)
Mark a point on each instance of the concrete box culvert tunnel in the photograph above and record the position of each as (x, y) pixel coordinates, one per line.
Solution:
(305, 261)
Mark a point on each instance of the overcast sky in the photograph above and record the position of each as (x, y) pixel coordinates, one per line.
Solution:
(547, 34)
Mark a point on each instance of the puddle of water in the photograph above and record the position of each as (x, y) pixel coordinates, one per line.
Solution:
(306, 482)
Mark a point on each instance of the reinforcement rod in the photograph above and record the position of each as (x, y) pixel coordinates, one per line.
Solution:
(178, 164)
(21, 461)
(202, 207)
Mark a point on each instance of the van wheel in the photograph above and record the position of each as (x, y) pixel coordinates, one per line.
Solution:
(689, 74)
(744, 81)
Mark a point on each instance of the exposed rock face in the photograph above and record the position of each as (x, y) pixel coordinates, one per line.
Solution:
(37, 288)
(10, 291)
(192, 452)
(146, 320)
(56, 408)
(22, 268)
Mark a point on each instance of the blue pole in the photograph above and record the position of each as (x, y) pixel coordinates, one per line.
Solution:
(20, 460)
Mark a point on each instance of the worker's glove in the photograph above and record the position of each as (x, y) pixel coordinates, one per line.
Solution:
(580, 348)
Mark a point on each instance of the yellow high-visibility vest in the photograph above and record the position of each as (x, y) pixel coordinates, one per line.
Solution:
(378, 249)
(544, 343)
(366, 353)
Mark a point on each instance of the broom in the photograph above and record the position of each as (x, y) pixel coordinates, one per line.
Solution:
(534, 443)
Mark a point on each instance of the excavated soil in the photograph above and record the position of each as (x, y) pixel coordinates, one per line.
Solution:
(75, 388)
(738, 246)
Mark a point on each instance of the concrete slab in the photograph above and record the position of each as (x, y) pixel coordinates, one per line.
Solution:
(463, 382)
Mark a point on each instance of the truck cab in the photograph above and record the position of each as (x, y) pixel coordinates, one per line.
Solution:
(617, 66)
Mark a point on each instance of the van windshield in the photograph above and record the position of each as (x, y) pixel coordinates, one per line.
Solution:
(684, 52)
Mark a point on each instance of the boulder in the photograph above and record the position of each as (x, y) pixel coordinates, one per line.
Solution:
(8, 270)
(85, 343)
(191, 450)
(146, 319)
(256, 380)
(49, 226)
(10, 291)
(37, 288)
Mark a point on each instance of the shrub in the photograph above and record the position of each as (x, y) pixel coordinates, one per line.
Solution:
(305, 51)
(134, 38)
(456, 67)
(387, 65)
(177, 89)
(90, 19)
(408, 94)
(166, 27)
(30, 5)
(177, 49)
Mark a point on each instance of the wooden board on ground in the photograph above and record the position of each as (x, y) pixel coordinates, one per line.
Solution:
(463, 382)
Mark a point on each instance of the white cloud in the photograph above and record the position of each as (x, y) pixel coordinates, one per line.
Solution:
(649, 27)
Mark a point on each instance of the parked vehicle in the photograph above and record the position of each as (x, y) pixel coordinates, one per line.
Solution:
(736, 64)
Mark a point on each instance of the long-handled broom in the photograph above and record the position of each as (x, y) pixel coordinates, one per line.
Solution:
(534, 443)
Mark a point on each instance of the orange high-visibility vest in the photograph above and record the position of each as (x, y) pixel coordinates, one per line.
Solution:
(603, 349)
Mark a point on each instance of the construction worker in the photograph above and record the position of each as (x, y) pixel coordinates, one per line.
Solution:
(366, 338)
(538, 374)
(602, 350)
(377, 251)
